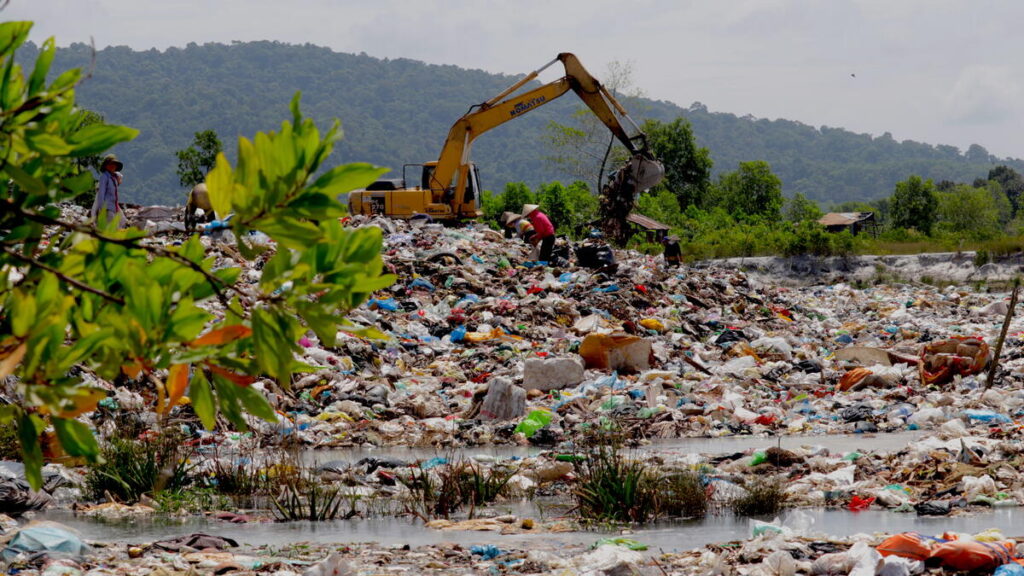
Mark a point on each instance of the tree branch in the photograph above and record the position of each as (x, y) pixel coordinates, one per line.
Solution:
(216, 283)
(64, 277)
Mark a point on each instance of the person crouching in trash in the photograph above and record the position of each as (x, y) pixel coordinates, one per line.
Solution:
(516, 226)
(544, 231)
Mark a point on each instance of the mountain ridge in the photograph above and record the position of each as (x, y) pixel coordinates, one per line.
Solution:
(398, 111)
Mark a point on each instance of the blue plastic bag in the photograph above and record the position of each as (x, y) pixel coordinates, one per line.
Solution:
(422, 283)
(986, 416)
(486, 552)
(1009, 570)
(459, 334)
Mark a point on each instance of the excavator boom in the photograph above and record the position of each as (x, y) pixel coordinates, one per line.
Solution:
(449, 189)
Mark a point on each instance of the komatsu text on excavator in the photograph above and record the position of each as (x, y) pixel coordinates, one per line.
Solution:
(449, 188)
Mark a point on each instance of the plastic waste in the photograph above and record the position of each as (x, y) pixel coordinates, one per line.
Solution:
(486, 551)
(986, 416)
(779, 563)
(333, 565)
(628, 543)
(422, 283)
(972, 555)
(899, 566)
(866, 560)
(49, 537)
(857, 503)
(533, 422)
(910, 545)
(1011, 569)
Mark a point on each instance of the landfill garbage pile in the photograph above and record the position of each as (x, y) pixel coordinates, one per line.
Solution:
(787, 548)
(484, 346)
(481, 339)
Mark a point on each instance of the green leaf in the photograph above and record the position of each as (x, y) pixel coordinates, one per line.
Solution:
(42, 67)
(255, 403)
(22, 313)
(347, 177)
(187, 321)
(80, 184)
(273, 345)
(29, 427)
(48, 144)
(97, 138)
(12, 35)
(316, 207)
(220, 185)
(230, 405)
(290, 232)
(76, 438)
(26, 181)
(202, 399)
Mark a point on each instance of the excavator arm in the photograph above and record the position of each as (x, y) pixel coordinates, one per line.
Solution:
(448, 179)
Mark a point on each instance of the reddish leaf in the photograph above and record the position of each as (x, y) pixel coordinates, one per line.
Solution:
(223, 335)
(239, 379)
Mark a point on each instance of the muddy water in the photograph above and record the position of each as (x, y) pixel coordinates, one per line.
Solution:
(663, 536)
(676, 446)
(667, 536)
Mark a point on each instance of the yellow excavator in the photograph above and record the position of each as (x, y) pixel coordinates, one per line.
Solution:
(449, 188)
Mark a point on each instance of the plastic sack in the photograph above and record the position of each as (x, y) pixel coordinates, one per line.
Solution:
(972, 555)
(653, 324)
(534, 421)
(618, 351)
(867, 561)
(1009, 570)
(628, 543)
(45, 537)
(898, 566)
(986, 416)
(486, 551)
(975, 486)
(907, 545)
(779, 563)
(857, 503)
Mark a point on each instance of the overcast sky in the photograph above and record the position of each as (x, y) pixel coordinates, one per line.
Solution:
(935, 71)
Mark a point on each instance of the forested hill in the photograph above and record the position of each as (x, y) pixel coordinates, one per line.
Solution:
(395, 112)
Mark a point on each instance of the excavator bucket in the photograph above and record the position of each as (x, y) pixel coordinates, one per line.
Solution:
(619, 194)
(647, 172)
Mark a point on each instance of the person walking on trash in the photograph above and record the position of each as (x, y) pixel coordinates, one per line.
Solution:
(544, 231)
(107, 203)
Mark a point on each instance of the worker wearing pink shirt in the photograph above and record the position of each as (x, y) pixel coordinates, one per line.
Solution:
(544, 231)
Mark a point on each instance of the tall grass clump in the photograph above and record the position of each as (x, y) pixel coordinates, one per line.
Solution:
(130, 468)
(764, 496)
(682, 495)
(611, 486)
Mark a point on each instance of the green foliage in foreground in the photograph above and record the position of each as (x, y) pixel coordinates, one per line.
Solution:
(118, 304)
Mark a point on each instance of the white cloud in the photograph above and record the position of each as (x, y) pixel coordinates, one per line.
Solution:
(984, 95)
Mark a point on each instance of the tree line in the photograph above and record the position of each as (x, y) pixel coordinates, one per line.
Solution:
(398, 111)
